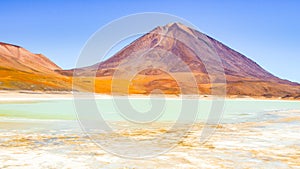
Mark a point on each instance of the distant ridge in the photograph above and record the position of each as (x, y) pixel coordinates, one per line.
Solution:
(23, 70)
(3, 43)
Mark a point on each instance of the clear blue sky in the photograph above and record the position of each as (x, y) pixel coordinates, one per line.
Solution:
(266, 31)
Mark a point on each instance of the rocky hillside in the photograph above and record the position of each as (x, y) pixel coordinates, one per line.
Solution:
(23, 70)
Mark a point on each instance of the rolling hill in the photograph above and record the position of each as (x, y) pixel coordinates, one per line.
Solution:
(23, 70)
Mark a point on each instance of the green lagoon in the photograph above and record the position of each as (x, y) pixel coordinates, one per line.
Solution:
(234, 110)
(256, 133)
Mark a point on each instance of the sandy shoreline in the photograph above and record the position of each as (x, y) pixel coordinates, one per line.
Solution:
(40, 96)
(27, 95)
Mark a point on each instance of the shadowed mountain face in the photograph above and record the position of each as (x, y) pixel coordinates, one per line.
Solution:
(23, 70)
(179, 40)
(171, 57)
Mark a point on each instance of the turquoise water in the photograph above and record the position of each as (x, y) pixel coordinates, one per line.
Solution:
(234, 111)
(253, 134)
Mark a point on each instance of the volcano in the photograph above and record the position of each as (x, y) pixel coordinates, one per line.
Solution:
(170, 59)
(152, 61)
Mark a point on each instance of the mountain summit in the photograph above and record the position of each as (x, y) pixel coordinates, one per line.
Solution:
(168, 38)
(170, 59)
(175, 50)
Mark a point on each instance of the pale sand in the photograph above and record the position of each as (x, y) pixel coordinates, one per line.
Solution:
(264, 144)
(6, 95)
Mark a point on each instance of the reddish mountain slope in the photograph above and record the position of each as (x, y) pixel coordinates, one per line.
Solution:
(175, 50)
(23, 70)
(16, 57)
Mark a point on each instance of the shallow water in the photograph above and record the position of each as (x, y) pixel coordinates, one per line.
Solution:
(252, 134)
(234, 111)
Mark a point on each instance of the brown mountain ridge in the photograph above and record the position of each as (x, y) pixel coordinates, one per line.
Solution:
(23, 70)
(152, 61)
(168, 58)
